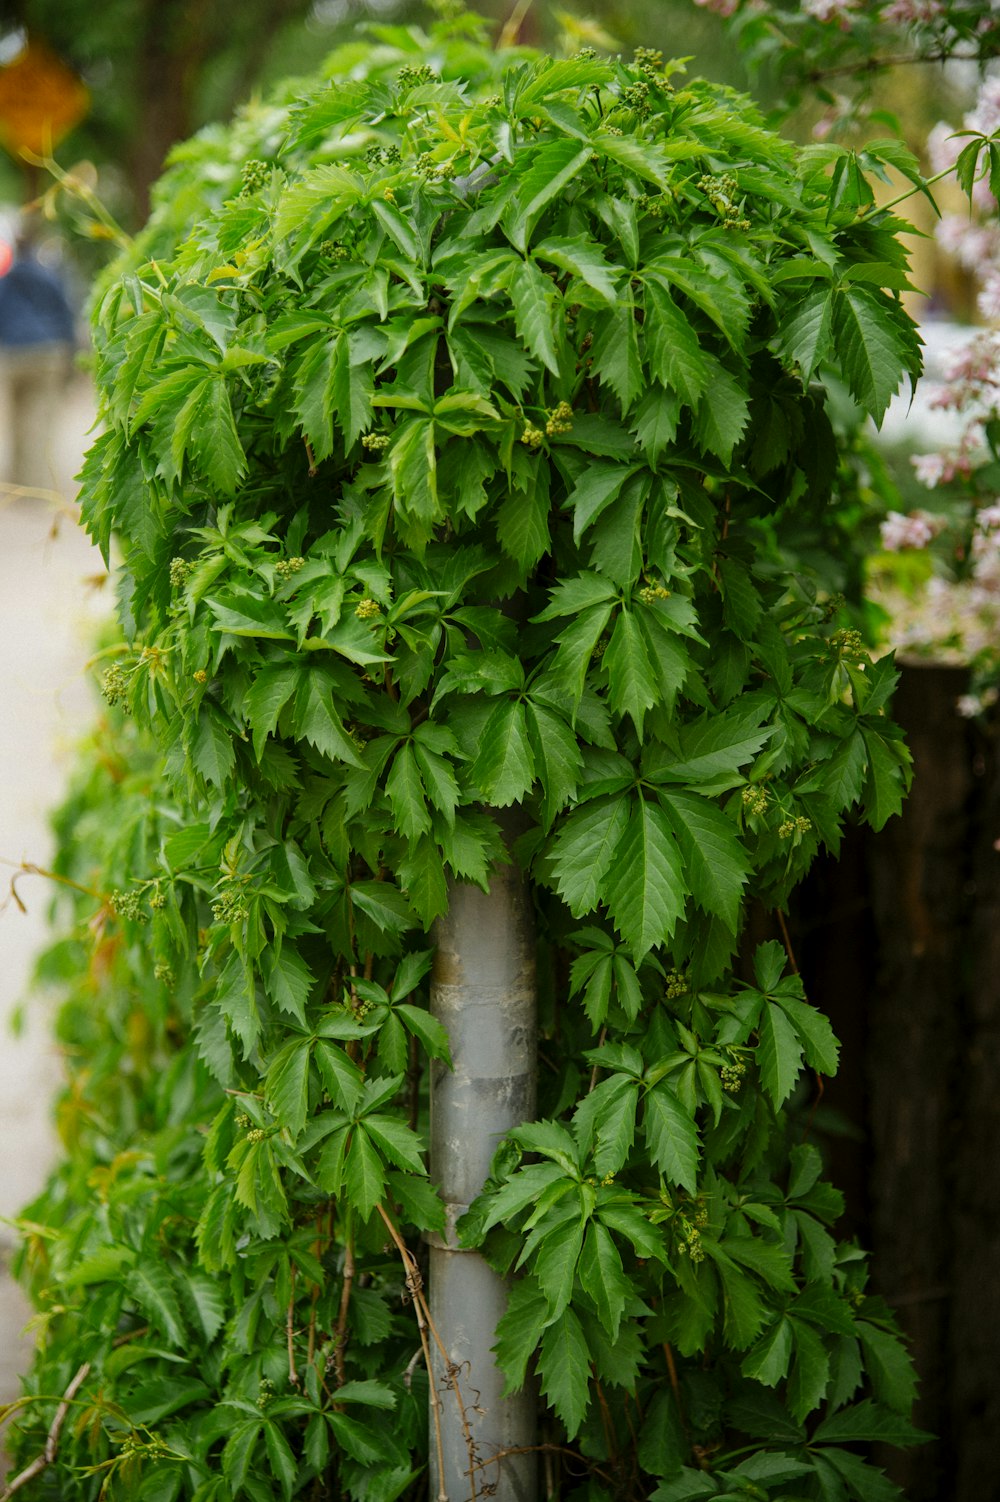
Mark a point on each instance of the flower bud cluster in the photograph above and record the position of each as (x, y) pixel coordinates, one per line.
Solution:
(286, 567)
(180, 572)
(114, 686)
(368, 609)
(231, 905)
(254, 176)
(128, 905)
(756, 799)
(560, 420)
(796, 826)
(532, 437)
(375, 443)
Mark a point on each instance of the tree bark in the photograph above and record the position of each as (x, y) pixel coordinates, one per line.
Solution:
(483, 991)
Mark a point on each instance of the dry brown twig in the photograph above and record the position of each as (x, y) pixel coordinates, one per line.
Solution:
(48, 1455)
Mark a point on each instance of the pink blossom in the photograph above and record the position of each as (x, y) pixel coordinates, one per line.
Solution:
(985, 114)
(908, 11)
(900, 532)
(724, 8)
(988, 517)
(943, 147)
(988, 300)
(830, 10)
(973, 361)
(931, 470)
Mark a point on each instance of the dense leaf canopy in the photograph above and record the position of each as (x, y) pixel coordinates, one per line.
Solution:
(454, 412)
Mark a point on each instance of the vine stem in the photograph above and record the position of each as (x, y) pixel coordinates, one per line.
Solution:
(293, 1375)
(340, 1338)
(545, 1449)
(48, 1455)
(414, 1284)
(786, 940)
(28, 868)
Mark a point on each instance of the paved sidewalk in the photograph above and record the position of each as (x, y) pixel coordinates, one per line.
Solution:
(49, 607)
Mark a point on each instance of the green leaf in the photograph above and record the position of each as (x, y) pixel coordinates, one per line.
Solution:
(364, 1176)
(595, 489)
(287, 979)
(805, 333)
(603, 1277)
(867, 1423)
(401, 1146)
(212, 747)
(871, 354)
(205, 1297)
(555, 1265)
(583, 849)
(341, 1076)
(552, 168)
(519, 1332)
(150, 1286)
(676, 358)
(317, 720)
(769, 1360)
(885, 784)
(504, 770)
(716, 866)
(822, 1050)
(564, 1367)
(632, 685)
(214, 437)
(722, 415)
(585, 259)
(889, 1367)
(282, 1462)
(671, 1136)
(645, 887)
(431, 1033)
(604, 1122)
(286, 1086)
(779, 1053)
(810, 1371)
(557, 758)
(534, 301)
(615, 355)
(406, 794)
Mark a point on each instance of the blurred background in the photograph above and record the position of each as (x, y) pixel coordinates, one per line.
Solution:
(898, 940)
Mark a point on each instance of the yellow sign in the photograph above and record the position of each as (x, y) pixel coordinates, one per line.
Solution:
(40, 101)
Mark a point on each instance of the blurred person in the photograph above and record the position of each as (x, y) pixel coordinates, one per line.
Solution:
(36, 360)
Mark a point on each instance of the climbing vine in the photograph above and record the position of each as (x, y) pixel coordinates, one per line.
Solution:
(454, 409)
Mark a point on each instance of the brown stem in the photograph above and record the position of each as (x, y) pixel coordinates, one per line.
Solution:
(546, 1450)
(48, 1455)
(675, 1387)
(786, 940)
(312, 461)
(593, 1073)
(340, 1337)
(293, 1375)
(414, 1285)
(413, 1073)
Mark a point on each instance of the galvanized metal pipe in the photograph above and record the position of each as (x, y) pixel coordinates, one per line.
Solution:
(483, 991)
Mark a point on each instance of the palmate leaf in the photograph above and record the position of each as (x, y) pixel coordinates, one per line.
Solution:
(646, 885)
(519, 1332)
(555, 1263)
(564, 1367)
(779, 1053)
(585, 259)
(151, 1287)
(316, 718)
(603, 1277)
(871, 353)
(534, 301)
(632, 684)
(505, 767)
(671, 1136)
(583, 849)
(715, 863)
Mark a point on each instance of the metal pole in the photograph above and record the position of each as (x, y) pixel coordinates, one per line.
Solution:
(483, 991)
